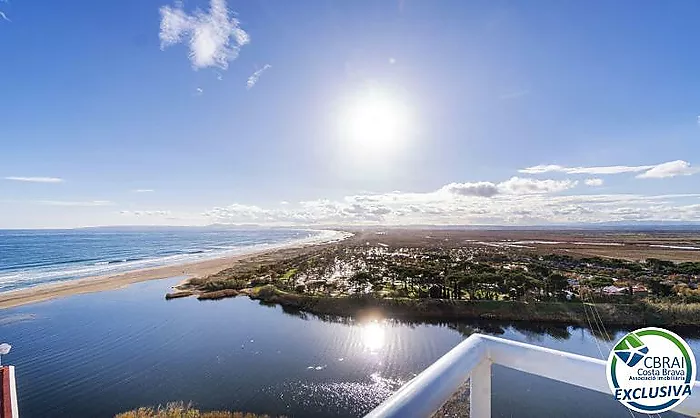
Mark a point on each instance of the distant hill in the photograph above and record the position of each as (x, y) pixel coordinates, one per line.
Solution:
(602, 226)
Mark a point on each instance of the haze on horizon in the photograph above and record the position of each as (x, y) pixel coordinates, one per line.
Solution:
(153, 112)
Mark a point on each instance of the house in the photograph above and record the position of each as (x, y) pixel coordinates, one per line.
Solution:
(614, 290)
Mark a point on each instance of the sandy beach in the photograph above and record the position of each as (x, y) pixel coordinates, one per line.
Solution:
(115, 281)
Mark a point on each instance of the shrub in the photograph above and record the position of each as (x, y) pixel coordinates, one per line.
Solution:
(182, 410)
(259, 281)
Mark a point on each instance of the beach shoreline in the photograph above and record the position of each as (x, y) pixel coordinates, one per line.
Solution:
(45, 292)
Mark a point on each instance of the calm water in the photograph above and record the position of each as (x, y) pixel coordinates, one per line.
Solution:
(32, 257)
(97, 354)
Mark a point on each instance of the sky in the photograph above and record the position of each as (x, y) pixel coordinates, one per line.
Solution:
(157, 112)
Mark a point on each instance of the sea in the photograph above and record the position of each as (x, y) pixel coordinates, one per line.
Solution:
(30, 258)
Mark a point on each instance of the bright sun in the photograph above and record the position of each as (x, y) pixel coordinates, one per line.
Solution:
(375, 122)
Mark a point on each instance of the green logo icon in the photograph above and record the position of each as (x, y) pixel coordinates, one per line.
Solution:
(631, 350)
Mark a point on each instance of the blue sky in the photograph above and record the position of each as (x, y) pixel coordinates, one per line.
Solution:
(329, 112)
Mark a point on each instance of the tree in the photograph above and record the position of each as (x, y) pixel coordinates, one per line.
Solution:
(435, 291)
(488, 284)
(469, 283)
(556, 283)
(538, 270)
(659, 289)
(454, 281)
(360, 279)
(661, 266)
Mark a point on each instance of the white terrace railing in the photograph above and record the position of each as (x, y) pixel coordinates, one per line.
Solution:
(472, 359)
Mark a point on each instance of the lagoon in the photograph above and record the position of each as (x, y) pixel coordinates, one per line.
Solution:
(95, 355)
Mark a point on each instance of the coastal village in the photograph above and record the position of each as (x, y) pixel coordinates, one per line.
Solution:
(383, 267)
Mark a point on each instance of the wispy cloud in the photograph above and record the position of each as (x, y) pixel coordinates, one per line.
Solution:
(595, 182)
(253, 79)
(35, 179)
(614, 169)
(75, 203)
(143, 191)
(3, 16)
(146, 212)
(668, 169)
(215, 38)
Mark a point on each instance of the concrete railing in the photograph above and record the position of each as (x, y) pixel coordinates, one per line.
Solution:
(472, 359)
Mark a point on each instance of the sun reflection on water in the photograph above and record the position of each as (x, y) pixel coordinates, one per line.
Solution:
(373, 336)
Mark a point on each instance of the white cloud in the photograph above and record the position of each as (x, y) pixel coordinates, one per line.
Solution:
(439, 207)
(515, 185)
(215, 38)
(4, 17)
(669, 169)
(595, 182)
(143, 191)
(35, 179)
(483, 189)
(253, 79)
(518, 185)
(517, 200)
(75, 203)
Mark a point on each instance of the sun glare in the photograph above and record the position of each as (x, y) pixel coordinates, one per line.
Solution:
(375, 122)
(373, 336)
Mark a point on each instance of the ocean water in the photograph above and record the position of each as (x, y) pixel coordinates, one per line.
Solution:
(97, 354)
(33, 257)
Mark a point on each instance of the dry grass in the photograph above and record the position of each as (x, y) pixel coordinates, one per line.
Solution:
(182, 410)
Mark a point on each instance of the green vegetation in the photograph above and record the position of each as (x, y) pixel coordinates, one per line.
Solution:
(448, 310)
(288, 275)
(465, 282)
(182, 410)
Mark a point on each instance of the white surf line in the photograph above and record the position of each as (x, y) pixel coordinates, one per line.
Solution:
(33, 279)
